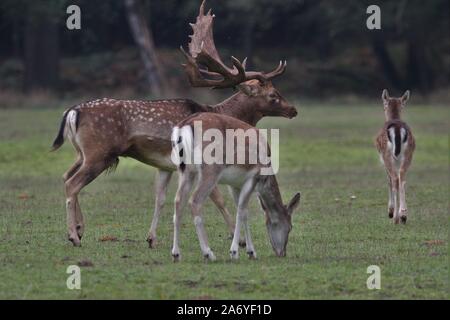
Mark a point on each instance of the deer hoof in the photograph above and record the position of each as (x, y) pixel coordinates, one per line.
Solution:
(176, 257)
(209, 256)
(391, 213)
(234, 254)
(403, 219)
(75, 241)
(80, 231)
(151, 242)
(251, 255)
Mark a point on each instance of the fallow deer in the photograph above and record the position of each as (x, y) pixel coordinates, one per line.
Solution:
(106, 129)
(395, 143)
(242, 179)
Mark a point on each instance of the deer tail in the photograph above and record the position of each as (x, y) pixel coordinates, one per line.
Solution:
(182, 146)
(68, 127)
(397, 135)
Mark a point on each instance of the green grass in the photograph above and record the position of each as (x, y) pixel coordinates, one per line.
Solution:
(326, 153)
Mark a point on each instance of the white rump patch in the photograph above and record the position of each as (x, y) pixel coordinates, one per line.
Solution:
(182, 140)
(70, 130)
(71, 124)
(403, 134)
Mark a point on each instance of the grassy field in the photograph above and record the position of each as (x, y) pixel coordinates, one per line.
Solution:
(326, 153)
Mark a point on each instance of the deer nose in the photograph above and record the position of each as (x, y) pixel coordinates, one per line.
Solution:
(293, 112)
(281, 253)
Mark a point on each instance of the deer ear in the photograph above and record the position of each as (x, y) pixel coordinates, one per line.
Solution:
(293, 204)
(248, 89)
(385, 95)
(405, 96)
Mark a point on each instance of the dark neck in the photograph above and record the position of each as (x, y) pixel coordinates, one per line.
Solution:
(270, 194)
(240, 106)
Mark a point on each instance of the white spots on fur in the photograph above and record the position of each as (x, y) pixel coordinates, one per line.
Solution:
(109, 115)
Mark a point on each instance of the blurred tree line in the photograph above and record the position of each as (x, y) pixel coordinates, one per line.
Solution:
(332, 50)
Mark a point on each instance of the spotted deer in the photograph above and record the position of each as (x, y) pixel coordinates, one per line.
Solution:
(103, 130)
(242, 179)
(395, 143)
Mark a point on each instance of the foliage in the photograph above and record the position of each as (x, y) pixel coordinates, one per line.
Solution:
(328, 39)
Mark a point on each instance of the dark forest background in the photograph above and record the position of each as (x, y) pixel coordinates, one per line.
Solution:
(330, 51)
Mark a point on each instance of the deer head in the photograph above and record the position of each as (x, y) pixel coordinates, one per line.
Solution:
(393, 106)
(266, 99)
(205, 68)
(278, 215)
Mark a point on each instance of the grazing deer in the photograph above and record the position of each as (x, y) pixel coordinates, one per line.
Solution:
(395, 144)
(104, 130)
(243, 179)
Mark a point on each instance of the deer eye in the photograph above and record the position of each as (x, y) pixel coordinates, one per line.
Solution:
(273, 96)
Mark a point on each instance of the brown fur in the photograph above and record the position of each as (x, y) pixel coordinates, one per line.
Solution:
(108, 129)
(242, 178)
(396, 168)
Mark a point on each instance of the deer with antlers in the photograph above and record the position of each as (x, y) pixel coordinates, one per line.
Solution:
(243, 178)
(103, 130)
(395, 144)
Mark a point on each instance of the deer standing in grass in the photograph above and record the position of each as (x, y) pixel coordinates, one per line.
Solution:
(396, 144)
(242, 178)
(104, 130)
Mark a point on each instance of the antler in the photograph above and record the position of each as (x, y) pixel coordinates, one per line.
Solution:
(203, 52)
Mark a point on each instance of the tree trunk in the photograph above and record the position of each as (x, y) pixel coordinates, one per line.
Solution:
(41, 52)
(143, 37)
(384, 59)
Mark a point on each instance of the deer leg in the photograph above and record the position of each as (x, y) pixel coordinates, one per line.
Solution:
(79, 219)
(203, 190)
(184, 186)
(391, 197)
(403, 210)
(162, 181)
(74, 168)
(242, 196)
(395, 188)
(244, 222)
(217, 198)
(88, 171)
(78, 216)
(235, 194)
